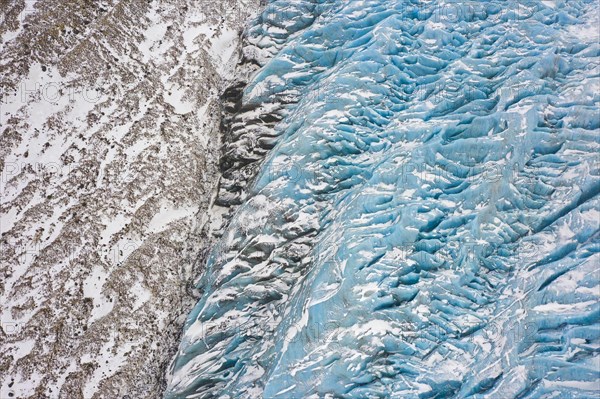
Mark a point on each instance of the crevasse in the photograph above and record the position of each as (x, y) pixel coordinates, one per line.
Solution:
(424, 222)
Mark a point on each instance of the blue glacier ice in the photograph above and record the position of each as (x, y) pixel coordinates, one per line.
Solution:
(418, 187)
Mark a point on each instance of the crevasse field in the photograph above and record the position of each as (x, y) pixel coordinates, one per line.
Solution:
(425, 218)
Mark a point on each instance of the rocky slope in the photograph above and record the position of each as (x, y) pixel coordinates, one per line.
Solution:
(109, 141)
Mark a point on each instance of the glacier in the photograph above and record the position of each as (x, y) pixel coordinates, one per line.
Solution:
(414, 188)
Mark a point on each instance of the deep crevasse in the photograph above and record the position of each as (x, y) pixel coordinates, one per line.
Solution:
(426, 224)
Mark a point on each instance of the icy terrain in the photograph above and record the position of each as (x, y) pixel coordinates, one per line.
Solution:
(419, 207)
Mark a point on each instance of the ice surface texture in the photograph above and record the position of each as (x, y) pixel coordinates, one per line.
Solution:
(426, 222)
